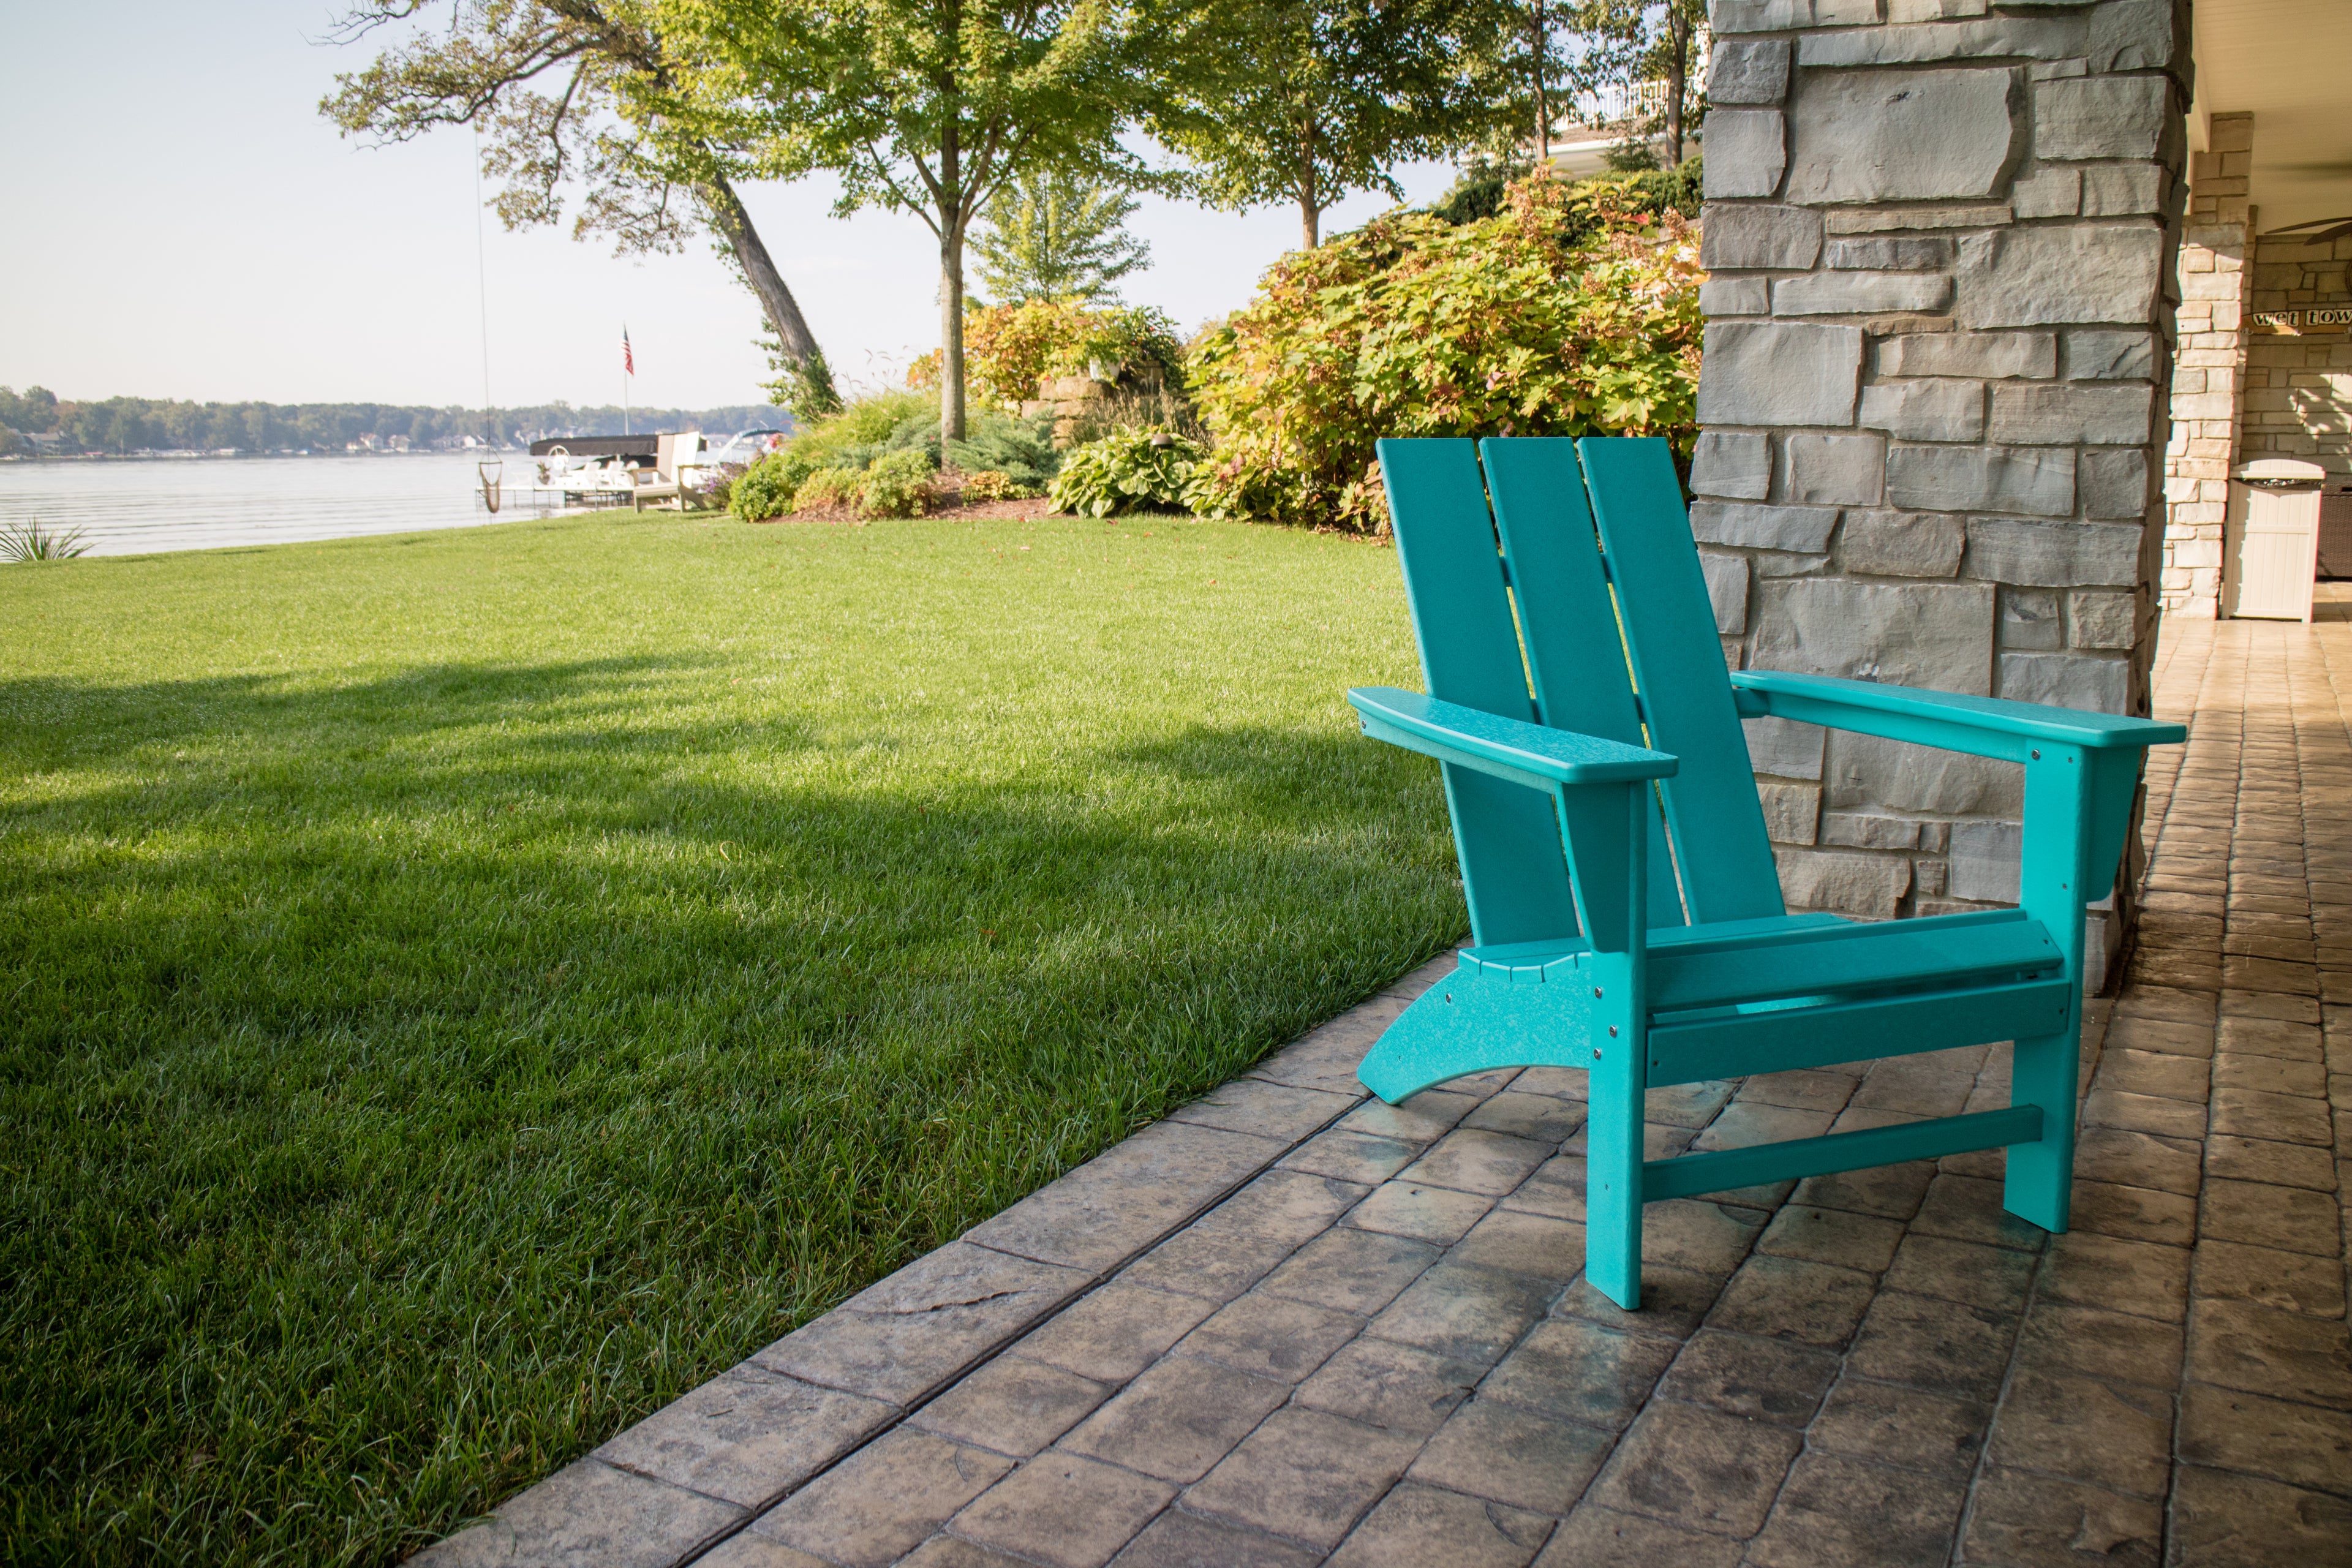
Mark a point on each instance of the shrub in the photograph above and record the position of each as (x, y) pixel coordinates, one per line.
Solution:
(1125, 471)
(898, 484)
(767, 489)
(1021, 450)
(992, 484)
(1572, 312)
(828, 488)
(1008, 349)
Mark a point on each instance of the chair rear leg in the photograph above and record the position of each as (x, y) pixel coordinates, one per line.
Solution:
(2039, 1182)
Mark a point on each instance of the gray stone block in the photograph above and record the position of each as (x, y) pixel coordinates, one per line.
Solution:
(1780, 373)
(2103, 620)
(1868, 830)
(1870, 886)
(2112, 355)
(2101, 116)
(1760, 234)
(1924, 253)
(2009, 37)
(1746, 150)
(1916, 215)
(1984, 861)
(1726, 590)
(1877, 136)
(1902, 543)
(1749, 70)
(2071, 272)
(1856, 293)
(2040, 481)
(1995, 356)
(1848, 13)
(1868, 773)
(2113, 483)
(2122, 190)
(1803, 529)
(2054, 554)
(2028, 620)
(1733, 464)
(1910, 634)
(2106, 413)
(2048, 192)
(2066, 680)
(1925, 410)
(1933, 10)
(1719, 296)
(1786, 563)
(1759, 15)
(1785, 747)
(1835, 470)
(1790, 811)
(2131, 34)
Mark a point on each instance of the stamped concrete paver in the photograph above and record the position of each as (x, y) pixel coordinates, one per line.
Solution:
(1292, 1325)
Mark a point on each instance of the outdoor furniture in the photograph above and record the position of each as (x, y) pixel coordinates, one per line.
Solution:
(664, 481)
(1625, 911)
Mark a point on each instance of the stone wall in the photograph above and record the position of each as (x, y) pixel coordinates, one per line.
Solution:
(2209, 367)
(1939, 239)
(2298, 400)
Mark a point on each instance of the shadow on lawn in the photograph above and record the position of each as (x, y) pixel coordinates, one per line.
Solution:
(409, 1083)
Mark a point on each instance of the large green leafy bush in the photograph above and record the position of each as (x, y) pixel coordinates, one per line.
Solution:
(1008, 349)
(879, 452)
(1572, 311)
(1128, 470)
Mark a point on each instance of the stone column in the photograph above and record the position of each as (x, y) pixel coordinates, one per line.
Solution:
(1939, 239)
(2216, 251)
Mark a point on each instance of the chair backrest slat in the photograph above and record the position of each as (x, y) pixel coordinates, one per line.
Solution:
(1574, 649)
(1514, 869)
(1712, 811)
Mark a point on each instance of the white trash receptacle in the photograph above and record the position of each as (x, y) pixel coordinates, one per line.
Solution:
(2270, 545)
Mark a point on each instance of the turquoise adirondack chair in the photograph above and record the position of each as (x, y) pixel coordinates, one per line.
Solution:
(1624, 910)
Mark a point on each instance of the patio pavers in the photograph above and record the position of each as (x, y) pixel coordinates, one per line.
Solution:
(1291, 1325)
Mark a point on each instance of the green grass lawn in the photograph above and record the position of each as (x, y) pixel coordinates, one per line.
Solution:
(459, 991)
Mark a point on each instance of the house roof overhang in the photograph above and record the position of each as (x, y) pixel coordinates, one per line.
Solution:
(2289, 63)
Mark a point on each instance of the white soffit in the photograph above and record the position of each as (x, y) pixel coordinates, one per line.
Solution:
(2289, 62)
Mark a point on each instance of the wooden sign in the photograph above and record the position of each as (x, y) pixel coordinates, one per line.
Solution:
(2312, 318)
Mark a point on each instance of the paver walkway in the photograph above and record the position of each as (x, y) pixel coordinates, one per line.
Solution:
(1292, 1325)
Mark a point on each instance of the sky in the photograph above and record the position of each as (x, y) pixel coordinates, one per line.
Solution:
(183, 223)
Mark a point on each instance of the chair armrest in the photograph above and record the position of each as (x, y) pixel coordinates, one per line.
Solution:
(1982, 726)
(1533, 755)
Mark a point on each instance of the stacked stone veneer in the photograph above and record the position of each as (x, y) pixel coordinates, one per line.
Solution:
(2297, 398)
(1939, 237)
(2209, 367)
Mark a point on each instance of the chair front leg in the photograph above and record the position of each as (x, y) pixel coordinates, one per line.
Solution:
(1606, 829)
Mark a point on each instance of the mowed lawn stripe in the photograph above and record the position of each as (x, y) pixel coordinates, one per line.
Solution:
(465, 989)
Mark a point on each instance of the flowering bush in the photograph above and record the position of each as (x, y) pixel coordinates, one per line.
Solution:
(1008, 349)
(1572, 311)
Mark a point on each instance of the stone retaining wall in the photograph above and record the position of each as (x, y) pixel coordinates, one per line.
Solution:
(1940, 238)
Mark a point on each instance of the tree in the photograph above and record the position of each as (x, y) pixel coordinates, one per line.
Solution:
(622, 120)
(1627, 42)
(1303, 101)
(926, 107)
(1052, 237)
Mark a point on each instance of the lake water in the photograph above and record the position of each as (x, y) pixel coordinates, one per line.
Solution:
(127, 507)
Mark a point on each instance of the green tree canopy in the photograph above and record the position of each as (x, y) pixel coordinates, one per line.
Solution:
(1301, 102)
(927, 107)
(1051, 236)
(575, 90)
(1624, 43)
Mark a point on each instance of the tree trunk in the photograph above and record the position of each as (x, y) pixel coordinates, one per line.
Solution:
(1678, 39)
(951, 395)
(1543, 103)
(784, 312)
(1311, 211)
(950, 193)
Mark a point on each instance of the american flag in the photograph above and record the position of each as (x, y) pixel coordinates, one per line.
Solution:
(628, 359)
